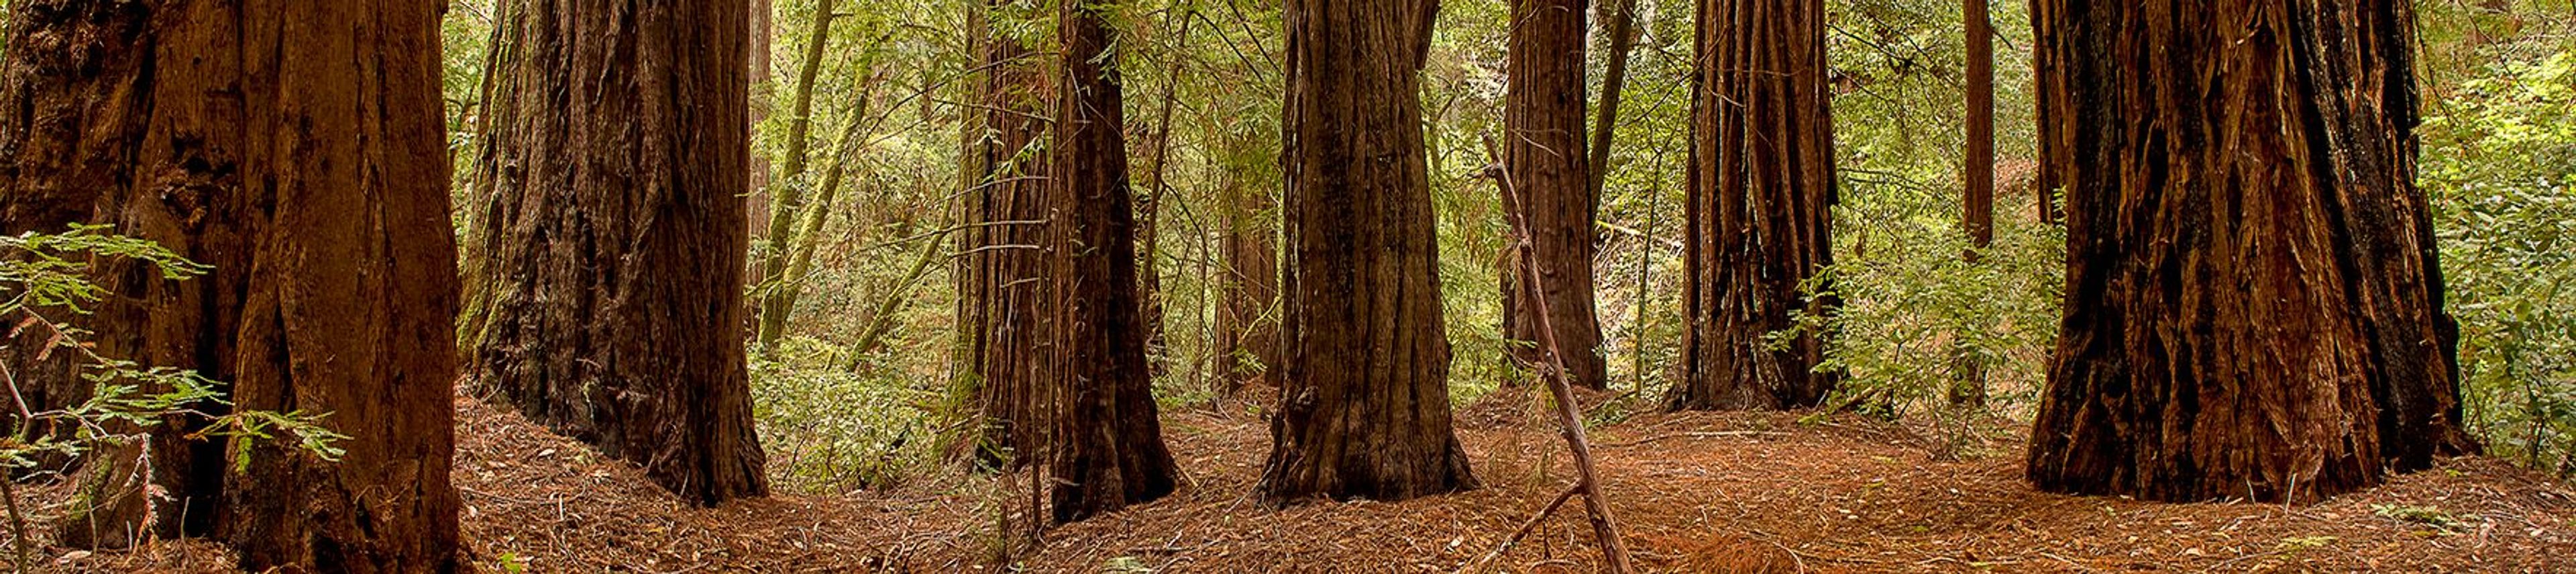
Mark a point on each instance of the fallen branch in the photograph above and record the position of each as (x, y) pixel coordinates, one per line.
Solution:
(1526, 527)
(1704, 434)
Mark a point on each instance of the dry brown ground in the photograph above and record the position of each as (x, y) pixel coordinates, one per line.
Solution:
(1698, 492)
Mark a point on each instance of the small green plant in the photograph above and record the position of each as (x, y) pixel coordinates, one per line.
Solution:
(44, 289)
(2443, 522)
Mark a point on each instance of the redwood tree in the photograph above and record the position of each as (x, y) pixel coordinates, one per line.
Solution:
(1364, 397)
(1247, 324)
(606, 294)
(1544, 158)
(1108, 451)
(2253, 305)
(1760, 207)
(297, 148)
(1000, 287)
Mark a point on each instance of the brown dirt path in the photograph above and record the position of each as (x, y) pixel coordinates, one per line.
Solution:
(1699, 492)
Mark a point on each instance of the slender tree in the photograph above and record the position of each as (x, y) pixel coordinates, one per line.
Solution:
(607, 298)
(1622, 16)
(1760, 208)
(999, 286)
(297, 148)
(1543, 151)
(1977, 201)
(2253, 302)
(787, 191)
(1108, 450)
(1364, 398)
(1247, 329)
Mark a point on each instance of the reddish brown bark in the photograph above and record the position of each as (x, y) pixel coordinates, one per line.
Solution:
(1760, 207)
(1000, 284)
(1543, 152)
(1364, 398)
(1247, 328)
(298, 149)
(1109, 447)
(2253, 303)
(607, 300)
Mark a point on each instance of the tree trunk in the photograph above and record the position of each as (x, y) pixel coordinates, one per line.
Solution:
(608, 299)
(1364, 397)
(763, 90)
(1614, 81)
(1003, 288)
(298, 149)
(1247, 332)
(787, 193)
(2253, 303)
(1543, 151)
(1760, 207)
(1109, 450)
(1968, 384)
(2048, 93)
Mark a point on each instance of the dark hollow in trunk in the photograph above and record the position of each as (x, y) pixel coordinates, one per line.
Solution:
(1760, 208)
(1109, 446)
(298, 149)
(1543, 151)
(607, 298)
(1364, 396)
(2253, 306)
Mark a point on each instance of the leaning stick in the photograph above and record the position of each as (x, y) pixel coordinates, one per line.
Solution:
(1568, 416)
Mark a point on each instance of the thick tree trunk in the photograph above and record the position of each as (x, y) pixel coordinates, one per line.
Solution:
(1364, 397)
(1247, 329)
(1760, 208)
(763, 91)
(1109, 450)
(297, 148)
(1002, 284)
(2253, 303)
(609, 297)
(1543, 151)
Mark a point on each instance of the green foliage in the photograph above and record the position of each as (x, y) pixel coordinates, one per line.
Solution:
(832, 430)
(2500, 163)
(44, 287)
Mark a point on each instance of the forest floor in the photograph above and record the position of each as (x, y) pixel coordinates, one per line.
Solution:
(1696, 492)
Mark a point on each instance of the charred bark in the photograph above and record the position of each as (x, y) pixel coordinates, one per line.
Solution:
(608, 297)
(297, 148)
(1364, 398)
(2253, 303)
(1543, 151)
(1109, 449)
(1760, 208)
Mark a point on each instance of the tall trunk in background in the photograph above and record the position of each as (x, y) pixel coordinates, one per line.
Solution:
(2253, 302)
(763, 90)
(1614, 81)
(298, 149)
(1760, 207)
(787, 191)
(1968, 387)
(1003, 284)
(1109, 449)
(1247, 328)
(1149, 213)
(1364, 396)
(2049, 108)
(1544, 158)
(608, 299)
